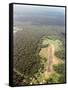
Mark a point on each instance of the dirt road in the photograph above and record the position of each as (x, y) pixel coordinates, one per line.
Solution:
(49, 53)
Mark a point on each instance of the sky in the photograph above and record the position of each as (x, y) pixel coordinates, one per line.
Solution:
(39, 15)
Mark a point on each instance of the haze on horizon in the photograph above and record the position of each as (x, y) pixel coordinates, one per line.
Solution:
(39, 15)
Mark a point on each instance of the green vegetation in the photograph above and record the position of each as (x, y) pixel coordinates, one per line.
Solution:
(54, 78)
(60, 54)
(27, 44)
(52, 40)
(60, 69)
